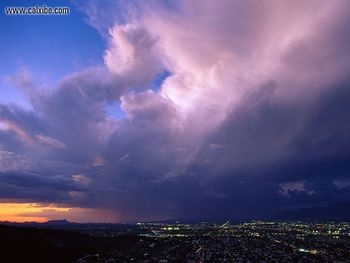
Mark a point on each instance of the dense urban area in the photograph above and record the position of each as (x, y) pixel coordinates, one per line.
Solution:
(178, 242)
(254, 242)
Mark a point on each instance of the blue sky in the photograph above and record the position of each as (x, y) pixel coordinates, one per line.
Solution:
(49, 46)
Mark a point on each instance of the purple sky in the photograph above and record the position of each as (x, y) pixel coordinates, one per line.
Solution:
(149, 110)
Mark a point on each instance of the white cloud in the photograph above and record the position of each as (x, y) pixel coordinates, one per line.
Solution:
(298, 187)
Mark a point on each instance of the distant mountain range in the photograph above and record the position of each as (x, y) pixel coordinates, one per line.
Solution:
(337, 212)
(57, 224)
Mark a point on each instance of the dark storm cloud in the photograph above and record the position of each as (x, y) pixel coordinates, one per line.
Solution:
(37, 187)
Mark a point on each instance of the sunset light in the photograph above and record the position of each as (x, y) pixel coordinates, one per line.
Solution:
(27, 212)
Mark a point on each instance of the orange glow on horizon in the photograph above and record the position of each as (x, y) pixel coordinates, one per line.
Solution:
(39, 212)
(20, 219)
(27, 212)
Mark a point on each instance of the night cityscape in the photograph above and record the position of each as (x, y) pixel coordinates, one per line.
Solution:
(161, 131)
(256, 241)
(245, 242)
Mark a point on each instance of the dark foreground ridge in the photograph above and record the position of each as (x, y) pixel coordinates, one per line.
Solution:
(24, 244)
(176, 242)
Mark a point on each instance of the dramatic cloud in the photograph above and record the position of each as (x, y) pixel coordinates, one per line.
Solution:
(251, 117)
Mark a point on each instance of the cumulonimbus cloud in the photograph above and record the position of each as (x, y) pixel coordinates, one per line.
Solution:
(254, 87)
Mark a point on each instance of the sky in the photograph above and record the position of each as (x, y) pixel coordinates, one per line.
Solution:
(126, 111)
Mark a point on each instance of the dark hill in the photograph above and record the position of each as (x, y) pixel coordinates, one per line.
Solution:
(20, 244)
(25, 244)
